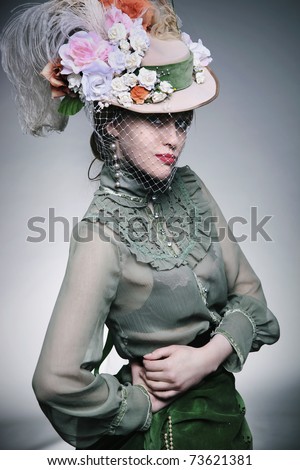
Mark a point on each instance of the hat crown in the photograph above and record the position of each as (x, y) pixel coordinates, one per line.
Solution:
(165, 51)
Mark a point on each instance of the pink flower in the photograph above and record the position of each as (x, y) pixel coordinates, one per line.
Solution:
(82, 50)
(114, 15)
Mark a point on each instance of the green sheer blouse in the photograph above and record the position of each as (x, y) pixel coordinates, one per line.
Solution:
(158, 270)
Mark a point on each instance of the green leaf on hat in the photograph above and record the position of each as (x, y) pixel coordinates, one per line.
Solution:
(70, 106)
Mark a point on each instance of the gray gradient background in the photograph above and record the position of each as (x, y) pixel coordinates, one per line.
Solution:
(246, 148)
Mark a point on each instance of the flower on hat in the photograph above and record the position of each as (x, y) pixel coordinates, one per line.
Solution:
(103, 69)
(82, 50)
(166, 87)
(158, 97)
(74, 80)
(139, 40)
(139, 94)
(59, 85)
(99, 69)
(125, 99)
(117, 32)
(201, 56)
(147, 78)
(116, 60)
(118, 85)
(130, 79)
(133, 61)
(96, 85)
(134, 9)
(114, 16)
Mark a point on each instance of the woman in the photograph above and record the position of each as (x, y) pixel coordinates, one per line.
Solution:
(152, 258)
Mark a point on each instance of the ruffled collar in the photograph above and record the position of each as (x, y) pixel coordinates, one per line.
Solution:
(183, 207)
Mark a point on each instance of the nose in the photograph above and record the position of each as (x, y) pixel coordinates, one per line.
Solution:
(171, 136)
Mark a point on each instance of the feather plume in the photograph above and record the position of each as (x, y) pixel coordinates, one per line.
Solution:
(32, 38)
(29, 41)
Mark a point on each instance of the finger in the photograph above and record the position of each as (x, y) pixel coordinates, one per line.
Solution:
(159, 386)
(160, 353)
(166, 395)
(154, 366)
(156, 376)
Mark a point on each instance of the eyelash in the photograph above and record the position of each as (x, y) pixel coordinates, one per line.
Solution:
(181, 123)
(155, 120)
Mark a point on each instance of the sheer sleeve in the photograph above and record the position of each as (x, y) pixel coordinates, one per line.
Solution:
(80, 405)
(246, 320)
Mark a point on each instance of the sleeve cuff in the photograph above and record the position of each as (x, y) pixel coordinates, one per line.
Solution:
(135, 412)
(147, 423)
(239, 329)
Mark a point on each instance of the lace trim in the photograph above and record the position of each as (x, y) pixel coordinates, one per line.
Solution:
(123, 408)
(183, 209)
(147, 423)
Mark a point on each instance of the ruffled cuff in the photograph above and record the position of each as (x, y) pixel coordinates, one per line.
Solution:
(247, 324)
(135, 411)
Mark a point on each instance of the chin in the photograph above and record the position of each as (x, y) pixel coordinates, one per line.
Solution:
(160, 174)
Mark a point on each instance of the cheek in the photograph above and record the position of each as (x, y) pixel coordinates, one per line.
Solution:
(143, 141)
(182, 139)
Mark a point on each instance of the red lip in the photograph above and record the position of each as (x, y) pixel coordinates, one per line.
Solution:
(167, 158)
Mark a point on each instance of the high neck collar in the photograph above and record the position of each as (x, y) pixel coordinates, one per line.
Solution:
(126, 185)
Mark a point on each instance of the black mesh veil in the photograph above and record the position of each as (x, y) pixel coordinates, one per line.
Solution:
(144, 147)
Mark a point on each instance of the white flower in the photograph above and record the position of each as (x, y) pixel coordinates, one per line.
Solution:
(74, 80)
(198, 67)
(200, 77)
(124, 45)
(201, 54)
(139, 40)
(130, 79)
(118, 85)
(147, 78)
(81, 94)
(157, 97)
(96, 86)
(166, 87)
(132, 61)
(125, 99)
(116, 60)
(116, 33)
(186, 39)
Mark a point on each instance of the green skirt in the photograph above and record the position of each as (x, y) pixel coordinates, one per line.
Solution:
(209, 416)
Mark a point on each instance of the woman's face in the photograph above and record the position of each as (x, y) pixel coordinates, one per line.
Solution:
(153, 142)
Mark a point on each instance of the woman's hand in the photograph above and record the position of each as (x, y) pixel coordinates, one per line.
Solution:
(172, 370)
(138, 373)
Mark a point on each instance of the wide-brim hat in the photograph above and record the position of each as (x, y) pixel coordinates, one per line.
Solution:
(173, 60)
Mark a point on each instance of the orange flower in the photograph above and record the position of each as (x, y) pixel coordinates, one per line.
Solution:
(134, 9)
(59, 85)
(139, 94)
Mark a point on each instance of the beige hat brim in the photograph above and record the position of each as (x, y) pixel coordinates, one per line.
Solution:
(193, 97)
